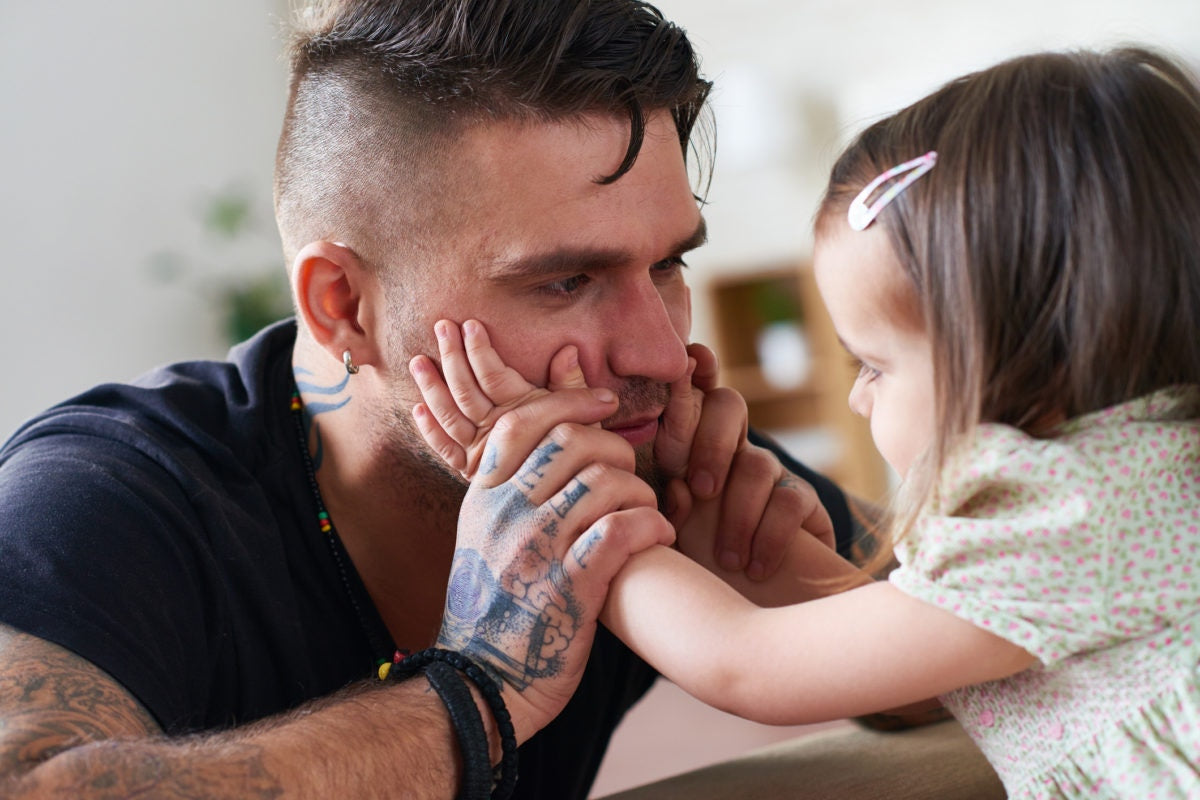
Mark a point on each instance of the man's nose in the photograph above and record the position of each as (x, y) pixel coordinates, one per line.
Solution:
(647, 334)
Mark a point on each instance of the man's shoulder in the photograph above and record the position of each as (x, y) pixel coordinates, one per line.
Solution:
(157, 530)
(197, 406)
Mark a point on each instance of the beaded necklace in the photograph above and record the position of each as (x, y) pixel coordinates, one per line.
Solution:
(337, 550)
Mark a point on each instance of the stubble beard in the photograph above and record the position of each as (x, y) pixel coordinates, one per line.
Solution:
(635, 395)
(414, 458)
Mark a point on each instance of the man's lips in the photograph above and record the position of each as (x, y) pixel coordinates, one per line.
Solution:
(637, 432)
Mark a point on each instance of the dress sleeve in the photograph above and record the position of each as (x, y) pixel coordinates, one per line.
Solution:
(1010, 544)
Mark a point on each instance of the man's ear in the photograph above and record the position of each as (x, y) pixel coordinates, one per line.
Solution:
(335, 299)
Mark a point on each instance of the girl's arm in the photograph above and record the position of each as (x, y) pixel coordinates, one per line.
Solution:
(475, 389)
(860, 651)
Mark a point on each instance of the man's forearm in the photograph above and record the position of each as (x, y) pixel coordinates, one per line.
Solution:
(366, 742)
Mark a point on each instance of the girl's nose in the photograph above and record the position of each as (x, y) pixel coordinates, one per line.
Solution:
(859, 400)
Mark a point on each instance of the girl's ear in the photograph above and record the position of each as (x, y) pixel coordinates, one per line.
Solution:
(335, 299)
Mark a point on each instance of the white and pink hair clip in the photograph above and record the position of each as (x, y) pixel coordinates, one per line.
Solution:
(860, 215)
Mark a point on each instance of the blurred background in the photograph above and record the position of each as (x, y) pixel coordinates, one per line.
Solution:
(137, 142)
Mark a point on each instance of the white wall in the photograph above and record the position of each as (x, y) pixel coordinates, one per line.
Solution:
(796, 78)
(118, 119)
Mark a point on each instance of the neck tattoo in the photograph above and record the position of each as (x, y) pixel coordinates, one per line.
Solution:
(337, 550)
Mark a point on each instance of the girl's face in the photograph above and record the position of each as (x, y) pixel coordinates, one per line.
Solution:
(875, 316)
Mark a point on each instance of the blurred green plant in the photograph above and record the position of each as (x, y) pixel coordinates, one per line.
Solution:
(254, 295)
(778, 300)
(254, 303)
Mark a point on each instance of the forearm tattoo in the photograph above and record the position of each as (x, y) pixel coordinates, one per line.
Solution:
(57, 706)
(171, 772)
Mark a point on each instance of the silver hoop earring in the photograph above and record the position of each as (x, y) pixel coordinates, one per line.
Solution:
(349, 362)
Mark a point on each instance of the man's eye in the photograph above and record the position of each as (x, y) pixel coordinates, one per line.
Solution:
(566, 287)
(669, 265)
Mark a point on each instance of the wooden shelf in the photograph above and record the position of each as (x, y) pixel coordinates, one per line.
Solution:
(754, 386)
(743, 304)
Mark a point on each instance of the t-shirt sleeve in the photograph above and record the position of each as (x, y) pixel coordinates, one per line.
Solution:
(1009, 544)
(846, 530)
(97, 555)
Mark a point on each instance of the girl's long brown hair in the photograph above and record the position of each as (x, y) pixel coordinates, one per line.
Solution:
(1054, 251)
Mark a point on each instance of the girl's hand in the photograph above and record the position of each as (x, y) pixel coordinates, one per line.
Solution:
(478, 388)
(759, 506)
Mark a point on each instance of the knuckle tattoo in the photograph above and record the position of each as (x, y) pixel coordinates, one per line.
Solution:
(569, 497)
(532, 471)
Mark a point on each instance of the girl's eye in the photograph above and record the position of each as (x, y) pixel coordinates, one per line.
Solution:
(866, 372)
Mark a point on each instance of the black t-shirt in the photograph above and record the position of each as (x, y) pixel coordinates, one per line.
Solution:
(165, 531)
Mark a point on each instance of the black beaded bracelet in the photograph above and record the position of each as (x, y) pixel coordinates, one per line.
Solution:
(468, 728)
(506, 773)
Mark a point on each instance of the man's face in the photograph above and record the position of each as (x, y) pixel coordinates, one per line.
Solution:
(544, 256)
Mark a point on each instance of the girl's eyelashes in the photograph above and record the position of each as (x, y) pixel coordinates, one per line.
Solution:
(865, 371)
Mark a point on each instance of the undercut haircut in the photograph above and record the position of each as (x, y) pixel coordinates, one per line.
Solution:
(380, 88)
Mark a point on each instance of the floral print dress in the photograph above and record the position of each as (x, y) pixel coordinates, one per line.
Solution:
(1085, 550)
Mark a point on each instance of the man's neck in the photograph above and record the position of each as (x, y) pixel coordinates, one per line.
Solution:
(398, 524)
(395, 513)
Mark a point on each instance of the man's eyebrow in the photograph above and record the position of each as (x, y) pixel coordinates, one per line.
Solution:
(698, 238)
(584, 259)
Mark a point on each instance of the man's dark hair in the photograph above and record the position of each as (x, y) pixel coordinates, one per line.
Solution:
(372, 75)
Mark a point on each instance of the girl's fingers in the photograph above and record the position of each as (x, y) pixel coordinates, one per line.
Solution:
(716, 441)
(440, 402)
(450, 451)
(679, 418)
(705, 375)
(460, 376)
(499, 383)
(565, 372)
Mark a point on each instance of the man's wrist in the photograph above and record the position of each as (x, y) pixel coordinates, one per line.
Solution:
(485, 734)
(490, 728)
